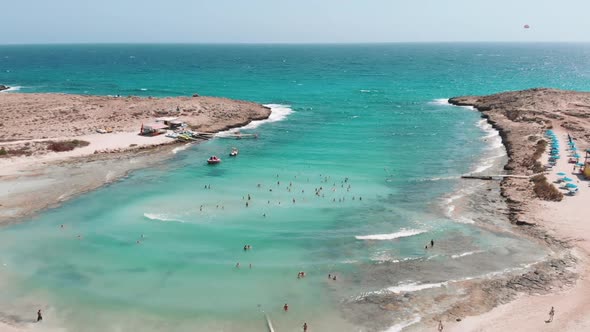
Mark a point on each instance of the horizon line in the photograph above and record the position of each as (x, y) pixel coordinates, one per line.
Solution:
(295, 43)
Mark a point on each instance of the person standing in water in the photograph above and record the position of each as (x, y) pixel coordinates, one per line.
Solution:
(304, 327)
(39, 316)
(431, 243)
(286, 307)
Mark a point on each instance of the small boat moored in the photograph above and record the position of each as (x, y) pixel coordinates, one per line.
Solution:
(234, 152)
(213, 160)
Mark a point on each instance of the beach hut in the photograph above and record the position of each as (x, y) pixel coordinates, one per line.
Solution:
(153, 129)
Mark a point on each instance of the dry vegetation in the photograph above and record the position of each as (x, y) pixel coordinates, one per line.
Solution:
(61, 146)
(545, 190)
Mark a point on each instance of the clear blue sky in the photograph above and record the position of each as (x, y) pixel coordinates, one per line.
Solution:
(292, 21)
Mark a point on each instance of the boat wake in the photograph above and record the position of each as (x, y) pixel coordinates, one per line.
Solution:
(397, 235)
(161, 217)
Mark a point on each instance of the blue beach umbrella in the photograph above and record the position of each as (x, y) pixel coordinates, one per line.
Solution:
(580, 165)
(576, 156)
(571, 185)
(574, 149)
(566, 179)
(561, 174)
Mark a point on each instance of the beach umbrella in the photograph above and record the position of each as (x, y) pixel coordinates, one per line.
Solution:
(566, 179)
(561, 174)
(576, 155)
(580, 165)
(571, 185)
(574, 149)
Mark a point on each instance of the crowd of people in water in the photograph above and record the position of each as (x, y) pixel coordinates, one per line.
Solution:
(326, 184)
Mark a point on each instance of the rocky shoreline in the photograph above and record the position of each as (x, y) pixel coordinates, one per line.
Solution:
(521, 118)
(4, 87)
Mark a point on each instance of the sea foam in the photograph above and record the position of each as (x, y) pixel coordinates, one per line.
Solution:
(12, 89)
(278, 113)
(391, 236)
(401, 326)
(161, 217)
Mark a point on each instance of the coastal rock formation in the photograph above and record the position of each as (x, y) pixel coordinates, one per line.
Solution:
(4, 87)
(40, 116)
(522, 117)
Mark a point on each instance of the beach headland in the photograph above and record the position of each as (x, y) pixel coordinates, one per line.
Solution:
(541, 209)
(33, 127)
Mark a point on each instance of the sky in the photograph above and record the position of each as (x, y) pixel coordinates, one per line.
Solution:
(291, 21)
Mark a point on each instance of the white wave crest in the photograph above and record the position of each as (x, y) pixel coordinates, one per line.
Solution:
(12, 89)
(161, 217)
(441, 101)
(401, 326)
(278, 113)
(400, 234)
(181, 148)
(414, 287)
(469, 253)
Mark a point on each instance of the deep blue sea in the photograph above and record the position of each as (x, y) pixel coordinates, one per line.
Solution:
(368, 124)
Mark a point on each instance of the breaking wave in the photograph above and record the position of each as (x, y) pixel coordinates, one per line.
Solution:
(391, 236)
(161, 217)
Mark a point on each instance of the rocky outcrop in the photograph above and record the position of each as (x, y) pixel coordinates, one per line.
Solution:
(522, 117)
(4, 87)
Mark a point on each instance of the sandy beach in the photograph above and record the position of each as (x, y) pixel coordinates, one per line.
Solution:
(32, 177)
(522, 117)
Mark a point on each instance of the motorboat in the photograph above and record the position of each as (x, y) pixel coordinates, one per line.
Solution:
(213, 160)
(234, 152)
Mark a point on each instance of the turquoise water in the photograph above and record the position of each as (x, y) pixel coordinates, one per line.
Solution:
(364, 116)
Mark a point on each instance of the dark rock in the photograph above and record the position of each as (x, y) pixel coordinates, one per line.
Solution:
(4, 87)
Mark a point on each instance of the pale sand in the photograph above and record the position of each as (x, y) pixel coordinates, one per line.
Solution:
(99, 143)
(568, 219)
(32, 178)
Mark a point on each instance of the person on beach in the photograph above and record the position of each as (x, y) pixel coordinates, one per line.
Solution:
(334, 278)
(431, 243)
(440, 326)
(286, 307)
(39, 316)
(551, 314)
(304, 327)
(329, 276)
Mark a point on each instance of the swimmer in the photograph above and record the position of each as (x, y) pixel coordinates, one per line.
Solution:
(286, 307)
(238, 265)
(246, 204)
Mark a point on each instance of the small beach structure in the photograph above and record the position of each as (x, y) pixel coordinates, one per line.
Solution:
(153, 129)
(170, 122)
